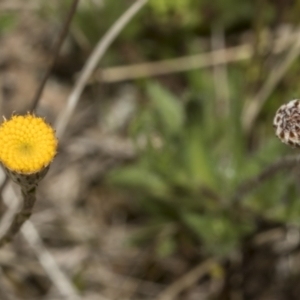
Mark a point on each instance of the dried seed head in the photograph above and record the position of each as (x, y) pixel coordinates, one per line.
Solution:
(287, 123)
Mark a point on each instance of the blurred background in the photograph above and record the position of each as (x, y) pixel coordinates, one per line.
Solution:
(162, 187)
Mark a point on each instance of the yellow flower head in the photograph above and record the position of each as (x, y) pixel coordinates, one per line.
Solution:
(27, 144)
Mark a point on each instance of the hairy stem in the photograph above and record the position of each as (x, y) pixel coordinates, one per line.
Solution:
(29, 198)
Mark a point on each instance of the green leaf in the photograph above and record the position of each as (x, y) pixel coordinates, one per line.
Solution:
(198, 160)
(169, 108)
(198, 155)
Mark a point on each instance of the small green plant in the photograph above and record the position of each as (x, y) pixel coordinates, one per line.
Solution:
(176, 178)
(192, 160)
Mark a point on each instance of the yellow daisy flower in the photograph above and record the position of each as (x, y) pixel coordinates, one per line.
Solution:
(27, 144)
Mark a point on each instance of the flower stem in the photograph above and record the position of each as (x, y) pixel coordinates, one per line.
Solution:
(15, 219)
(29, 198)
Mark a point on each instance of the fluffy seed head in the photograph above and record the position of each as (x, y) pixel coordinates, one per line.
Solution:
(287, 123)
(27, 144)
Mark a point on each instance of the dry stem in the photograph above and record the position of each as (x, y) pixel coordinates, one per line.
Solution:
(17, 219)
(92, 63)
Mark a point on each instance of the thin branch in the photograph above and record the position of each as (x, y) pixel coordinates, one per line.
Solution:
(57, 47)
(248, 186)
(92, 63)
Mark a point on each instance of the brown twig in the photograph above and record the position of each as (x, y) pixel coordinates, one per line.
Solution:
(57, 47)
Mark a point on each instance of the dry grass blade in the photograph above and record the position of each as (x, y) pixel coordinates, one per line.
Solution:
(181, 64)
(92, 63)
(184, 63)
(60, 280)
(253, 106)
(221, 86)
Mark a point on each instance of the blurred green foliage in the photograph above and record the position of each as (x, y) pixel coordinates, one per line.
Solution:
(187, 171)
(193, 153)
(192, 158)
